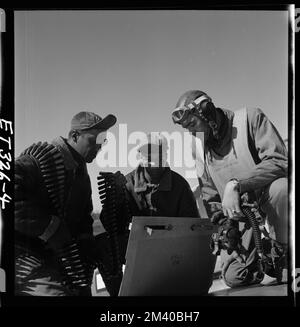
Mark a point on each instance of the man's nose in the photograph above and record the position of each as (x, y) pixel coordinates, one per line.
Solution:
(185, 124)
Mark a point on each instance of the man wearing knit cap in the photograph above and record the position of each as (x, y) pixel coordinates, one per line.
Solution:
(54, 242)
(243, 153)
(153, 189)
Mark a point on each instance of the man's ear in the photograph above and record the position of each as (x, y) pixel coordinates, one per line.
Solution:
(75, 136)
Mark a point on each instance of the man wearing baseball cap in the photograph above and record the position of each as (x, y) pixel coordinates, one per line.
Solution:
(53, 224)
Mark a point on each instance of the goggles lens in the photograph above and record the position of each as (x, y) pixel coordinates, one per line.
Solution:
(180, 114)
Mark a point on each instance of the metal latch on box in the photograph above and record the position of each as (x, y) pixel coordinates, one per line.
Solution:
(150, 228)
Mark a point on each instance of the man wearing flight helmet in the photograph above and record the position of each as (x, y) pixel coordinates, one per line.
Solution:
(243, 152)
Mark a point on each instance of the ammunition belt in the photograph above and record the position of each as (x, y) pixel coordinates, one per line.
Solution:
(76, 273)
(111, 189)
(51, 164)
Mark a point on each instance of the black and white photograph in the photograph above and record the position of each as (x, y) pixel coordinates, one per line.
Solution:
(149, 154)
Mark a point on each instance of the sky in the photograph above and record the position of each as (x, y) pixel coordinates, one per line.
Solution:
(136, 64)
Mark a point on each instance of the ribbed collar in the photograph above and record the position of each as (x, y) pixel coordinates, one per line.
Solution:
(142, 179)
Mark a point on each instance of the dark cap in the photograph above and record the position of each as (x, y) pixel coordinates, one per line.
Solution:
(85, 120)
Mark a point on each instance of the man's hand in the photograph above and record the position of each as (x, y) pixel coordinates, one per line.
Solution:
(231, 200)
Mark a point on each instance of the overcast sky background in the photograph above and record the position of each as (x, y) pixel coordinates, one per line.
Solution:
(136, 64)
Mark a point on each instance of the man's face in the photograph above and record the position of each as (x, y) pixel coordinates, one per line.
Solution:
(194, 124)
(89, 144)
(153, 159)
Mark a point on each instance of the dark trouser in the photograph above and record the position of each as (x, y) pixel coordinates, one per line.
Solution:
(236, 273)
(274, 203)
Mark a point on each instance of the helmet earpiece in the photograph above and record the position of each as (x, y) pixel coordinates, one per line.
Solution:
(206, 110)
(207, 107)
(201, 103)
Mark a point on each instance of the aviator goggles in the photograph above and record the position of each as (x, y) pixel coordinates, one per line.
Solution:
(180, 114)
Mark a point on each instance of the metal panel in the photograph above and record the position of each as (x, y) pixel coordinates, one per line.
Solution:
(168, 256)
